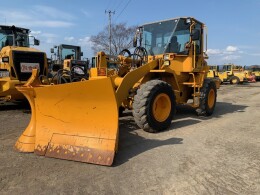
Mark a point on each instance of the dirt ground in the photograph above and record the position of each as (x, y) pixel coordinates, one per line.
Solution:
(215, 155)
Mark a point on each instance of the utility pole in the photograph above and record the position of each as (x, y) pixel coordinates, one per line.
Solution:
(109, 28)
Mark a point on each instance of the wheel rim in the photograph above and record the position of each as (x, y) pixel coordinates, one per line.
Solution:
(211, 98)
(234, 81)
(161, 107)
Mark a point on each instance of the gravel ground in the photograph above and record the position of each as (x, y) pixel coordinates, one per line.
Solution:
(215, 155)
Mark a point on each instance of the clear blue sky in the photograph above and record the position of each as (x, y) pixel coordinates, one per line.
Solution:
(233, 25)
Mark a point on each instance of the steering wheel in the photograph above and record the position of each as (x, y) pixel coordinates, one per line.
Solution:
(125, 51)
(140, 56)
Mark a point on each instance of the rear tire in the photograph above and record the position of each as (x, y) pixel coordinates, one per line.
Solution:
(234, 80)
(208, 97)
(154, 106)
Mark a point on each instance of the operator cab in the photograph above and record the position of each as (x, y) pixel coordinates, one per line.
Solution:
(66, 52)
(171, 36)
(68, 57)
(15, 36)
(70, 52)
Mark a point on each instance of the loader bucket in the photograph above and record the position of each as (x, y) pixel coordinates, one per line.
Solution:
(75, 121)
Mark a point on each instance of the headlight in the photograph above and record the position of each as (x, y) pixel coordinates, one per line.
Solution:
(166, 57)
(4, 73)
(5, 59)
(167, 63)
(169, 56)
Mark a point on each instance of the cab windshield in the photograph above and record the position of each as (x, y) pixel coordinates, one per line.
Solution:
(67, 53)
(9, 38)
(255, 69)
(213, 67)
(166, 36)
(227, 67)
(70, 52)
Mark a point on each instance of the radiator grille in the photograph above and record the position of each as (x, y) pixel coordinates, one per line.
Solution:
(27, 57)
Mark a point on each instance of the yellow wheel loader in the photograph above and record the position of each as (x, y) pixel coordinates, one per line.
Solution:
(213, 73)
(232, 74)
(79, 121)
(227, 73)
(17, 60)
(67, 65)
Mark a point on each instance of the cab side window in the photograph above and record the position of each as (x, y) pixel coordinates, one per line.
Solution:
(198, 42)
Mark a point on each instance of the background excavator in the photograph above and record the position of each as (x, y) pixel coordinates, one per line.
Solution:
(17, 59)
(79, 120)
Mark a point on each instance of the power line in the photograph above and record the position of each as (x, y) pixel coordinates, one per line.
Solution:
(123, 10)
(119, 4)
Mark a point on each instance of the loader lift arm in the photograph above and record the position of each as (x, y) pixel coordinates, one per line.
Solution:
(131, 78)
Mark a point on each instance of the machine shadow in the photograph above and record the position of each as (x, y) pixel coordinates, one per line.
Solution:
(222, 108)
(22, 105)
(132, 144)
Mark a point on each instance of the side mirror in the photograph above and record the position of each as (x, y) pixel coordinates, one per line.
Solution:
(81, 53)
(36, 41)
(52, 50)
(195, 34)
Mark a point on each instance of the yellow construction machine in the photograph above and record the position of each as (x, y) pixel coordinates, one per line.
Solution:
(67, 65)
(213, 73)
(256, 72)
(79, 121)
(227, 73)
(232, 74)
(17, 60)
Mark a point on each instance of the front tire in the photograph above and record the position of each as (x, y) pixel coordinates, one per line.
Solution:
(208, 97)
(154, 106)
(234, 80)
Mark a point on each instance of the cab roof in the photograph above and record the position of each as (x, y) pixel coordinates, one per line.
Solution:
(172, 19)
(17, 29)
